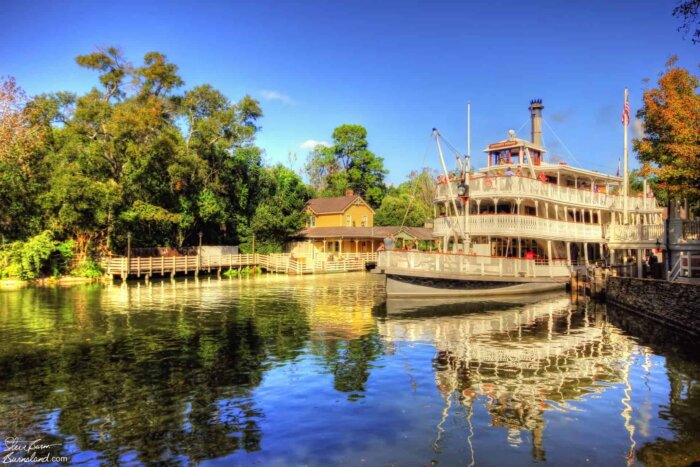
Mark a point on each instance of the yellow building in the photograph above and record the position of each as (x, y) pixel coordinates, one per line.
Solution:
(343, 226)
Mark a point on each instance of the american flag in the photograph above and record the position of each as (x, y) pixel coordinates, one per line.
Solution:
(626, 112)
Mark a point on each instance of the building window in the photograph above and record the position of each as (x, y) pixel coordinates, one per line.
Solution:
(348, 220)
(364, 221)
(311, 221)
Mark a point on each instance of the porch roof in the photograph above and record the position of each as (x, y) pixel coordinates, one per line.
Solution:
(418, 233)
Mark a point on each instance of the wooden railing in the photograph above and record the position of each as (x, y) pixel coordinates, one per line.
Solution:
(280, 262)
(482, 186)
(471, 265)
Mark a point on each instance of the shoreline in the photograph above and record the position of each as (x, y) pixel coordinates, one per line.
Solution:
(50, 281)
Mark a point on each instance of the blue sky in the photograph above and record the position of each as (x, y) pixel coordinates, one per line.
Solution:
(398, 68)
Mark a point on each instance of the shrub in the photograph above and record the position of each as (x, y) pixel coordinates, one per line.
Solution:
(88, 268)
(30, 259)
(231, 273)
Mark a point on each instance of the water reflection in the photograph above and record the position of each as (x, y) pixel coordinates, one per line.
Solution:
(319, 369)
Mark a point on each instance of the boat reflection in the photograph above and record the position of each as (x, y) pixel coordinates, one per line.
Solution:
(516, 359)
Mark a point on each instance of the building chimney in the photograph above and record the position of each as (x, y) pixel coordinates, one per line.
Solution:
(349, 192)
(536, 121)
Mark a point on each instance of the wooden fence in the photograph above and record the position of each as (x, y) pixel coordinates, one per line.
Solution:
(281, 263)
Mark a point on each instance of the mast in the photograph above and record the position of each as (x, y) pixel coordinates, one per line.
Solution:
(469, 139)
(625, 122)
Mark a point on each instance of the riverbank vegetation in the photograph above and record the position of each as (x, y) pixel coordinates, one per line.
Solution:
(141, 153)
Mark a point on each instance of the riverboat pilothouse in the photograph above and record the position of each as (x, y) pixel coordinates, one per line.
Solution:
(520, 224)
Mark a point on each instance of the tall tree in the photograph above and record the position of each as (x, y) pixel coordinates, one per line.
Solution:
(21, 177)
(320, 165)
(348, 163)
(280, 212)
(670, 148)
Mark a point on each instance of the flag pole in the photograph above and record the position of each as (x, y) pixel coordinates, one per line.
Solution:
(625, 121)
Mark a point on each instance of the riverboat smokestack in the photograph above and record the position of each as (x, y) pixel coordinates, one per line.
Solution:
(536, 115)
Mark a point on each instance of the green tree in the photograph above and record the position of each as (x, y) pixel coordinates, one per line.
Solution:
(410, 203)
(281, 211)
(670, 147)
(21, 175)
(348, 163)
(321, 164)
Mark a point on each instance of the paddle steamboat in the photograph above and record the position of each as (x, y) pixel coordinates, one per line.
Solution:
(520, 224)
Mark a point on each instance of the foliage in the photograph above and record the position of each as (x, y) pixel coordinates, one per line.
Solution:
(27, 260)
(88, 268)
(410, 203)
(281, 210)
(670, 148)
(21, 176)
(139, 154)
(689, 11)
(348, 163)
(230, 273)
(320, 166)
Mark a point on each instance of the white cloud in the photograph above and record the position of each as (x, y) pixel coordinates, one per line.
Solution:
(312, 143)
(272, 95)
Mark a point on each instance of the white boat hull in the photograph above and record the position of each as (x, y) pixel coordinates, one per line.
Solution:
(413, 286)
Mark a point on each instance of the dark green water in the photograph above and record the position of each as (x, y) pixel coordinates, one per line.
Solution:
(279, 370)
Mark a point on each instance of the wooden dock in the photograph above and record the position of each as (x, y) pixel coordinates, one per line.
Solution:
(148, 266)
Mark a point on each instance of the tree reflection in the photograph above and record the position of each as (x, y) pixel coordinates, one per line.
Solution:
(157, 385)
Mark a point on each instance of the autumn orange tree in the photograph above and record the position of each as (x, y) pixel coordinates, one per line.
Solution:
(670, 148)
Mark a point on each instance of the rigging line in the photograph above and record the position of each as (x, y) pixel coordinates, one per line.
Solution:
(450, 146)
(415, 185)
(521, 127)
(562, 142)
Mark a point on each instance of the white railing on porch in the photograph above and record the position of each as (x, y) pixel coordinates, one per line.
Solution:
(470, 265)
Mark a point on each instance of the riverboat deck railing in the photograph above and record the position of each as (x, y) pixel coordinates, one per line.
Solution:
(279, 262)
(517, 225)
(471, 265)
(495, 186)
(635, 233)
